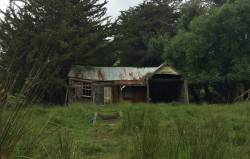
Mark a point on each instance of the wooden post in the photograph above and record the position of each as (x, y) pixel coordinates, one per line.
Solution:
(95, 118)
(148, 92)
(66, 102)
(186, 95)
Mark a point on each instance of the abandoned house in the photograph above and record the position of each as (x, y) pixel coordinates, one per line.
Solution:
(107, 85)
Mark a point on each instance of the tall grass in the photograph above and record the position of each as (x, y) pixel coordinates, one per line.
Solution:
(12, 127)
(132, 122)
(15, 118)
(196, 140)
(67, 147)
(145, 127)
(180, 140)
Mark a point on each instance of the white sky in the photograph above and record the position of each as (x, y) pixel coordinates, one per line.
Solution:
(3, 3)
(114, 6)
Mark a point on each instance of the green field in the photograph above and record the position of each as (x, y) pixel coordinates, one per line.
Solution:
(147, 131)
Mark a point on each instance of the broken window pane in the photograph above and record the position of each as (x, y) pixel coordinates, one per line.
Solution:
(86, 90)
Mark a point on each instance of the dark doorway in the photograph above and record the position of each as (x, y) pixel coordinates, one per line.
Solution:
(135, 93)
(165, 88)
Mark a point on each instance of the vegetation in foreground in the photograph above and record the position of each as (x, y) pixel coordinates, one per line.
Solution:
(145, 132)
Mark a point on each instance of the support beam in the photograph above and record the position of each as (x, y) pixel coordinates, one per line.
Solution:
(186, 91)
(166, 80)
(148, 92)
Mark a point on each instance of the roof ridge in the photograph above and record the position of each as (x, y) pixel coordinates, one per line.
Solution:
(117, 73)
(112, 66)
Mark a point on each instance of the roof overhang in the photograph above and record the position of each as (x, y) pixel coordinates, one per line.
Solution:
(122, 75)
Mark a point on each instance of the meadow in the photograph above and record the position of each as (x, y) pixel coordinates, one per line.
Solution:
(145, 131)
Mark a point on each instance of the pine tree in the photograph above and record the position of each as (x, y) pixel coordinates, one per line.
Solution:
(52, 35)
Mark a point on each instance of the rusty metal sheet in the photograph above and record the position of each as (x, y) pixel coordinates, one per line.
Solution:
(121, 74)
(167, 70)
(130, 82)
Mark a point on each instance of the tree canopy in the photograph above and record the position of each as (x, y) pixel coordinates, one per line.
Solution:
(135, 28)
(216, 48)
(54, 33)
(207, 40)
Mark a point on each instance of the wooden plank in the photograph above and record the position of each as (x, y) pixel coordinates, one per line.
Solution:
(148, 92)
(165, 80)
(186, 91)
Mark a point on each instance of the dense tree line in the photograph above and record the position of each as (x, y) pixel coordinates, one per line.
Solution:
(137, 28)
(206, 40)
(213, 51)
(53, 35)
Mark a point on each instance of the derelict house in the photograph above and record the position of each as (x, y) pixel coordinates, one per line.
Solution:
(107, 85)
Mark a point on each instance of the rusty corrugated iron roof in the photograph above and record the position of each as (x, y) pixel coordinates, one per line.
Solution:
(167, 70)
(118, 73)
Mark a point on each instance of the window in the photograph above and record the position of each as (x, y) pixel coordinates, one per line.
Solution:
(107, 95)
(86, 90)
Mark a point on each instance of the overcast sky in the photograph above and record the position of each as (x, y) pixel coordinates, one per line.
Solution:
(114, 6)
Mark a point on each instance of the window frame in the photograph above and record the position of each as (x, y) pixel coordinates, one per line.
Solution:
(86, 89)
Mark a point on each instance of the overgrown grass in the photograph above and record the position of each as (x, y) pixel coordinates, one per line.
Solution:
(182, 140)
(146, 131)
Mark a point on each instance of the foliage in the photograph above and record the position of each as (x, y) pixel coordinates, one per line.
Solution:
(183, 139)
(67, 147)
(189, 11)
(147, 143)
(176, 131)
(136, 26)
(215, 49)
(132, 122)
(12, 128)
(17, 138)
(209, 131)
(14, 123)
(52, 35)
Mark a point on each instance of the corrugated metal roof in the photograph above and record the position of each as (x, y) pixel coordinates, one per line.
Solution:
(167, 70)
(117, 73)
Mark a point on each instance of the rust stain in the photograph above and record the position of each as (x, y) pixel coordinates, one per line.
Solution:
(101, 76)
(131, 74)
(124, 71)
(120, 76)
(126, 82)
(112, 73)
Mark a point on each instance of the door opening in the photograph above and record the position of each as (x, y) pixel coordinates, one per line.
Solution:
(108, 98)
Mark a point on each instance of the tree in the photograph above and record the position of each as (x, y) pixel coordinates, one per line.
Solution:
(215, 51)
(55, 34)
(135, 28)
(189, 11)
